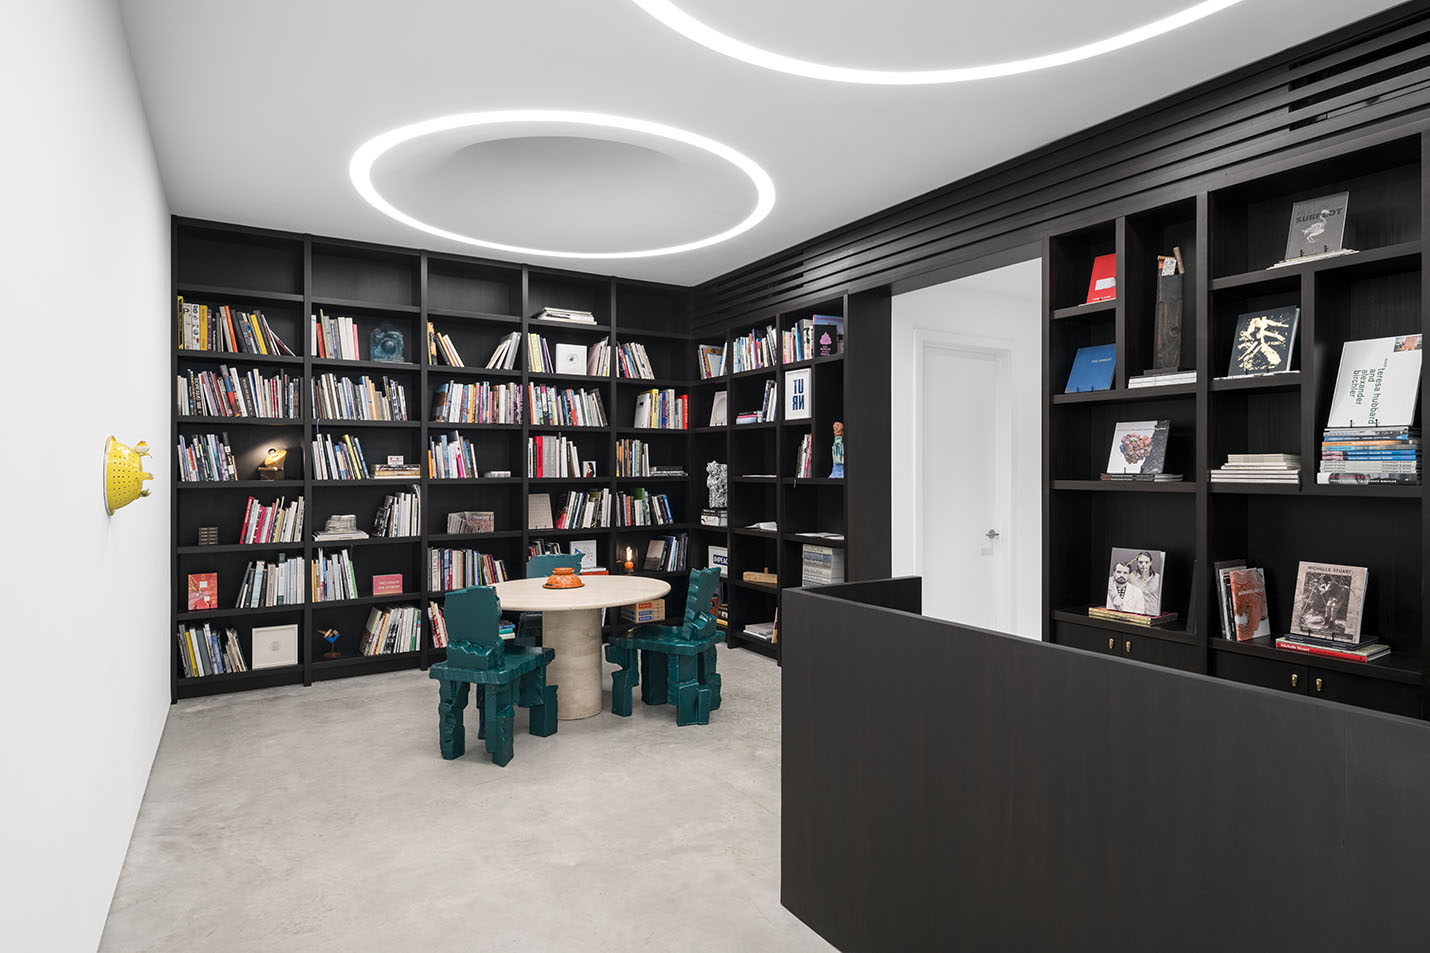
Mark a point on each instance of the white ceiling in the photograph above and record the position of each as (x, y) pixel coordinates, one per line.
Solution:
(257, 106)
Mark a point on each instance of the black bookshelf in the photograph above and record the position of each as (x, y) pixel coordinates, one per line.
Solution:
(1230, 236)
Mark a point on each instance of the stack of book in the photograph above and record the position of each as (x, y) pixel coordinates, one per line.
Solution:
(227, 393)
(504, 354)
(1131, 618)
(1368, 436)
(334, 338)
(437, 623)
(206, 458)
(451, 457)
(399, 515)
(1370, 455)
(555, 455)
(584, 509)
(797, 344)
(754, 350)
(564, 314)
(1166, 379)
(633, 362)
(640, 508)
(1259, 468)
(1366, 650)
(556, 407)
(764, 631)
(339, 459)
(662, 410)
(822, 566)
(804, 462)
(441, 345)
(450, 569)
(710, 359)
(203, 651)
(466, 522)
(277, 523)
(334, 577)
(769, 408)
(392, 630)
(341, 398)
(271, 584)
(204, 328)
(480, 403)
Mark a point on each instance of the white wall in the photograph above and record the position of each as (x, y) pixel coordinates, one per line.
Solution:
(1002, 306)
(84, 652)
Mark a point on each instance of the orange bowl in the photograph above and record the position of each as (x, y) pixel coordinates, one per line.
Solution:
(563, 577)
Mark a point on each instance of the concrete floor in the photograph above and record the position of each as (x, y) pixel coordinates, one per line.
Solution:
(323, 818)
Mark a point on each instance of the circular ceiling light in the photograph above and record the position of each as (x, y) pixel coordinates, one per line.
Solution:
(361, 166)
(683, 23)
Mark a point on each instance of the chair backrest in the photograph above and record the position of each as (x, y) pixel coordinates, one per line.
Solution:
(699, 619)
(473, 639)
(539, 566)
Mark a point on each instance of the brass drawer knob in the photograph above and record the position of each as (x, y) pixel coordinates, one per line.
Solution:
(1110, 643)
(1318, 684)
(1294, 679)
(1128, 646)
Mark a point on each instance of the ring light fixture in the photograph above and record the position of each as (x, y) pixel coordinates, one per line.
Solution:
(683, 23)
(361, 164)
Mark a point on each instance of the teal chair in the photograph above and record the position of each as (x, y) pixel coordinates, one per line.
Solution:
(677, 663)
(528, 625)
(503, 674)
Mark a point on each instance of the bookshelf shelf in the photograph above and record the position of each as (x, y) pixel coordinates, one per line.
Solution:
(238, 484)
(235, 357)
(435, 372)
(395, 598)
(233, 613)
(241, 421)
(338, 423)
(1124, 486)
(1085, 310)
(1288, 381)
(1390, 668)
(482, 316)
(1396, 257)
(222, 548)
(368, 307)
(1127, 394)
(192, 290)
(551, 324)
(1166, 633)
(390, 367)
(755, 586)
(474, 537)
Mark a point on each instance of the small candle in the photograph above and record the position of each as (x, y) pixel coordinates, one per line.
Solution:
(630, 560)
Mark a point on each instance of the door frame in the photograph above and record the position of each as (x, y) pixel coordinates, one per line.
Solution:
(998, 350)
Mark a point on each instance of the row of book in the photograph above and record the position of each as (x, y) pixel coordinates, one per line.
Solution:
(633, 363)
(555, 455)
(768, 411)
(466, 522)
(205, 650)
(666, 553)
(710, 359)
(640, 508)
(662, 410)
(391, 630)
(797, 344)
(804, 460)
(334, 339)
(437, 625)
(583, 509)
(206, 458)
(755, 350)
(223, 329)
(276, 583)
(478, 403)
(1325, 613)
(441, 349)
(334, 577)
(450, 569)
(338, 459)
(399, 515)
(451, 457)
(633, 460)
(538, 355)
(276, 523)
(557, 407)
(228, 392)
(504, 354)
(341, 398)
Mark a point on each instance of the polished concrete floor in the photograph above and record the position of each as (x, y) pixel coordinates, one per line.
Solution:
(323, 819)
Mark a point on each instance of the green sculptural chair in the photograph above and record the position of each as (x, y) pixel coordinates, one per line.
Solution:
(677, 663)
(528, 625)
(504, 675)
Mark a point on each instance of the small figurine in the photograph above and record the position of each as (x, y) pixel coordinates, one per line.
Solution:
(717, 482)
(836, 453)
(331, 636)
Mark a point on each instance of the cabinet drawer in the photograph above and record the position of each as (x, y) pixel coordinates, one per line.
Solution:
(1283, 676)
(1142, 648)
(1391, 697)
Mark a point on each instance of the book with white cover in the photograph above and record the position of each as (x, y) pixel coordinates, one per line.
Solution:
(571, 359)
(274, 645)
(1138, 446)
(1378, 383)
(642, 415)
(719, 409)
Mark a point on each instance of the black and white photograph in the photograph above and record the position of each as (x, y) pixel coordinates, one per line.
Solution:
(1328, 601)
(1134, 581)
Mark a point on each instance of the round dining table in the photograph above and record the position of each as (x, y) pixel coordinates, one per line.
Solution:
(571, 625)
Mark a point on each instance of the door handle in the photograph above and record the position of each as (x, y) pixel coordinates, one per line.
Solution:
(992, 534)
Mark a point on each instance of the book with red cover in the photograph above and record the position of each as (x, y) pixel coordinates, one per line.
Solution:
(390, 584)
(1103, 285)
(203, 591)
(1248, 602)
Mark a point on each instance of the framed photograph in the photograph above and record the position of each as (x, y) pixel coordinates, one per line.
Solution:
(1329, 601)
(1134, 581)
(586, 549)
(588, 468)
(798, 405)
(719, 410)
(274, 645)
(571, 359)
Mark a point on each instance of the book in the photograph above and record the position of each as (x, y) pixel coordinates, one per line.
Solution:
(1162, 380)
(1346, 652)
(1092, 369)
(538, 511)
(1263, 341)
(1378, 383)
(504, 355)
(1134, 581)
(718, 556)
(1138, 446)
(570, 359)
(203, 591)
(652, 611)
(1328, 602)
(798, 405)
(1223, 583)
(274, 645)
(1248, 602)
(1102, 286)
(1318, 227)
(710, 358)
(565, 314)
(387, 584)
(1131, 618)
(654, 555)
(586, 549)
(719, 412)
(828, 332)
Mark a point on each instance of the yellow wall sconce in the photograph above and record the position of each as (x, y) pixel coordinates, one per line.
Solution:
(124, 474)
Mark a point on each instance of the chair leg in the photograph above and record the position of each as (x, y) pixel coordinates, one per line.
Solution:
(500, 718)
(481, 712)
(623, 680)
(653, 674)
(451, 733)
(692, 700)
(540, 701)
(709, 677)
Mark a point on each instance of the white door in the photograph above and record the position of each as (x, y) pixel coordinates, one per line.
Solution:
(963, 473)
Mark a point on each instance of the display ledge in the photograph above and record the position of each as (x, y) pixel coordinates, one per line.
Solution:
(243, 421)
(757, 533)
(538, 533)
(237, 484)
(764, 425)
(1284, 381)
(324, 668)
(655, 529)
(1392, 490)
(737, 638)
(337, 423)
(1394, 667)
(813, 361)
(438, 370)
(635, 334)
(232, 613)
(1130, 393)
(1388, 258)
(816, 541)
(707, 381)
(656, 382)
(405, 367)
(470, 537)
(1125, 486)
(1176, 632)
(237, 548)
(484, 316)
(814, 481)
(1254, 489)
(555, 324)
(756, 586)
(754, 479)
(716, 429)
(469, 425)
(755, 372)
(713, 530)
(578, 378)
(233, 357)
(448, 481)
(246, 294)
(366, 600)
(331, 544)
(558, 481)
(372, 307)
(1085, 310)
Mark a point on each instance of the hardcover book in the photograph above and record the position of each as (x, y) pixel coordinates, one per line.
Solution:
(719, 409)
(1092, 369)
(586, 549)
(1139, 446)
(1223, 577)
(1328, 602)
(828, 334)
(1318, 226)
(1378, 383)
(1263, 342)
(797, 402)
(1248, 600)
(203, 591)
(386, 585)
(1134, 581)
(1103, 284)
(571, 359)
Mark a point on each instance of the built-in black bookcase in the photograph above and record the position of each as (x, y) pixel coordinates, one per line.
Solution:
(1229, 237)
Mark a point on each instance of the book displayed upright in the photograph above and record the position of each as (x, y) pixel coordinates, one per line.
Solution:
(1318, 228)
(1248, 603)
(1378, 383)
(1263, 342)
(1138, 447)
(1329, 601)
(1092, 369)
(1103, 284)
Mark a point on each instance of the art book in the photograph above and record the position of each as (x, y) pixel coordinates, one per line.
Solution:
(1378, 383)
(1318, 226)
(1139, 446)
(1228, 612)
(1103, 284)
(1329, 600)
(1134, 581)
(1092, 369)
(1263, 342)
(203, 591)
(1248, 600)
